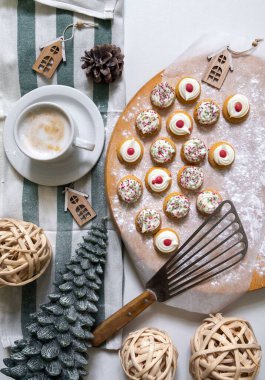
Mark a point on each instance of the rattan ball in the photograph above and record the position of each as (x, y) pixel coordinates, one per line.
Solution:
(148, 354)
(25, 252)
(223, 349)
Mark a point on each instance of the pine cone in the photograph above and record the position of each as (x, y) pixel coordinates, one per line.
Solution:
(103, 63)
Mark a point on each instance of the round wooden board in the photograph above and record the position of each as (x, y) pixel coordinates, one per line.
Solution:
(114, 170)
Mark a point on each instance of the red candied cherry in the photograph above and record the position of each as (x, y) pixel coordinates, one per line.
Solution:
(189, 87)
(167, 242)
(180, 123)
(158, 180)
(238, 107)
(222, 153)
(130, 151)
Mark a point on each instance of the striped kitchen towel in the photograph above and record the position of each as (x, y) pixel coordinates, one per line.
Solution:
(25, 25)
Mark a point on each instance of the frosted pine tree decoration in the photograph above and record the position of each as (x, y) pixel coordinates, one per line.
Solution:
(60, 332)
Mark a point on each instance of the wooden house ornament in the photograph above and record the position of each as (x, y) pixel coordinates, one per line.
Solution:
(50, 57)
(220, 64)
(78, 205)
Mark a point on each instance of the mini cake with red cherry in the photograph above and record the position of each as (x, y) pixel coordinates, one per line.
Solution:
(166, 241)
(158, 180)
(221, 155)
(188, 90)
(179, 124)
(236, 108)
(130, 151)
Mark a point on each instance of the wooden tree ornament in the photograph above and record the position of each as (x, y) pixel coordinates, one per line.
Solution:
(49, 58)
(78, 205)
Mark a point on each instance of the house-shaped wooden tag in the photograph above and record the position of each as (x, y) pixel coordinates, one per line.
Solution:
(49, 58)
(220, 64)
(78, 205)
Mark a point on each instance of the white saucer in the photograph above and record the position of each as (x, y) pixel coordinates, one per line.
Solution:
(88, 120)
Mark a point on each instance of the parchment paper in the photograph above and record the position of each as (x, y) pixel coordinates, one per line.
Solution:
(243, 183)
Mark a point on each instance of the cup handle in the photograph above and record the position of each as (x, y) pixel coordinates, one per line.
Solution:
(83, 144)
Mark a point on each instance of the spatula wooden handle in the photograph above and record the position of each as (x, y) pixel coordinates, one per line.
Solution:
(123, 316)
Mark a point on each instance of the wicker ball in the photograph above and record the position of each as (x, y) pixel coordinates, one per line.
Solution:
(223, 349)
(25, 252)
(148, 354)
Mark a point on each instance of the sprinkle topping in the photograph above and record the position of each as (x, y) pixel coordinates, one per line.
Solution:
(194, 150)
(191, 178)
(162, 151)
(208, 201)
(177, 206)
(162, 95)
(129, 190)
(148, 122)
(148, 220)
(208, 112)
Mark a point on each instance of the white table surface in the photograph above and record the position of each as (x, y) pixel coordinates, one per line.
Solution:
(156, 31)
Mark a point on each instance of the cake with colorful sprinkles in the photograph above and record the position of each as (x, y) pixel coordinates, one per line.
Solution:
(193, 151)
(206, 112)
(190, 177)
(166, 241)
(207, 201)
(148, 221)
(176, 205)
(148, 123)
(130, 189)
(163, 150)
(162, 95)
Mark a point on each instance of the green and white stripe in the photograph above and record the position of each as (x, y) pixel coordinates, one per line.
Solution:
(25, 27)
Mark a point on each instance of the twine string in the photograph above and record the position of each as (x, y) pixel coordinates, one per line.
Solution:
(77, 25)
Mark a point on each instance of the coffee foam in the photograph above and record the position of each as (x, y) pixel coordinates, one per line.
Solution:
(44, 132)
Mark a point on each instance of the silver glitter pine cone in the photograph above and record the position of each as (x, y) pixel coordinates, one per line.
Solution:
(103, 63)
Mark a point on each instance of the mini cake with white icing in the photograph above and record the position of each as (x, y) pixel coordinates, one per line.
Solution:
(188, 90)
(206, 112)
(236, 108)
(158, 180)
(130, 151)
(148, 221)
(163, 150)
(130, 189)
(176, 205)
(190, 177)
(179, 124)
(221, 155)
(162, 95)
(193, 151)
(148, 123)
(166, 241)
(207, 201)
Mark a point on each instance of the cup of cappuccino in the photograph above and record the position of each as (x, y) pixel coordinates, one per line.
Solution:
(46, 132)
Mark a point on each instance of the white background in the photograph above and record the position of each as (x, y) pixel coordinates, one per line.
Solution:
(156, 31)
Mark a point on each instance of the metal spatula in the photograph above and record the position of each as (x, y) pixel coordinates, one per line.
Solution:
(217, 245)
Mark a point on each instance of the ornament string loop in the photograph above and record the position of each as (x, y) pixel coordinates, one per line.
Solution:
(77, 25)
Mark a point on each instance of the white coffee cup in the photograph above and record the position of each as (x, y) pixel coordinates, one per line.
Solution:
(45, 131)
